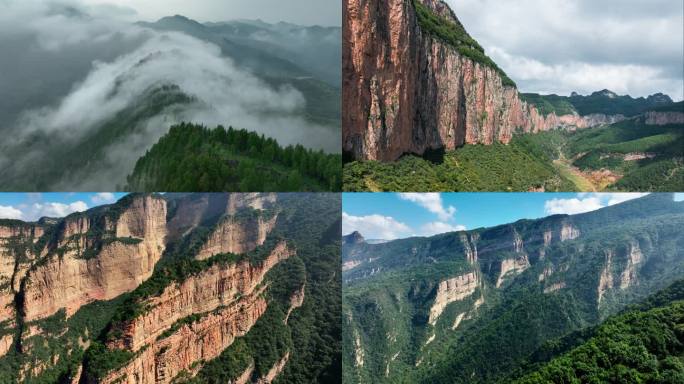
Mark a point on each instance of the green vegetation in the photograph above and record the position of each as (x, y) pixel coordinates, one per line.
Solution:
(555, 161)
(674, 107)
(608, 103)
(63, 160)
(635, 347)
(59, 343)
(521, 165)
(310, 223)
(603, 102)
(100, 360)
(662, 169)
(519, 326)
(194, 158)
(547, 104)
(453, 33)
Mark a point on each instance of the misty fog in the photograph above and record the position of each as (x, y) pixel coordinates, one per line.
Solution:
(67, 69)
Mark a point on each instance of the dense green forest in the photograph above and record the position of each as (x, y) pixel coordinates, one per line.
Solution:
(518, 166)
(455, 35)
(645, 344)
(194, 158)
(638, 156)
(602, 102)
(502, 332)
(547, 104)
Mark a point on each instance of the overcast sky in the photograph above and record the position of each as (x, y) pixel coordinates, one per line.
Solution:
(304, 12)
(631, 47)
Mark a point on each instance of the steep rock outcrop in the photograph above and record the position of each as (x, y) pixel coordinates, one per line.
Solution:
(238, 235)
(634, 258)
(76, 272)
(606, 278)
(275, 370)
(6, 343)
(451, 290)
(214, 287)
(568, 232)
(227, 296)
(406, 91)
(470, 246)
(18, 243)
(663, 118)
(202, 340)
(512, 266)
(296, 301)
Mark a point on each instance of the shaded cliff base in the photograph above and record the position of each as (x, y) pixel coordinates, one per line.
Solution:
(631, 155)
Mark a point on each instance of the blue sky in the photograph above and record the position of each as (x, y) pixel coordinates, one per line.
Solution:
(33, 206)
(396, 215)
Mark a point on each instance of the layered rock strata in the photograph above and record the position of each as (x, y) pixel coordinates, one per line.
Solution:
(452, 290)
(76, 273)
(238, 235)
(228, 297)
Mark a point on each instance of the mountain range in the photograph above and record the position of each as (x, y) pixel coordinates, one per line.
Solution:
(123, 91)
(498, 304)
(183, 288)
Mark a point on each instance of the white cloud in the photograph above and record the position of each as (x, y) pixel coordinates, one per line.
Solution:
(39, 210)
(103, 198)
(36, 210)
(437, 227)
(9, 212)
(375, 226)
(586, 202)
(559, 46)
(432, 202)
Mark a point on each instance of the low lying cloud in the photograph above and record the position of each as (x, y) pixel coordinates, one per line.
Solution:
(221, 92)
(587, 202)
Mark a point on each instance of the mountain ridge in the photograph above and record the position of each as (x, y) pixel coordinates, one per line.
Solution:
(470, 306)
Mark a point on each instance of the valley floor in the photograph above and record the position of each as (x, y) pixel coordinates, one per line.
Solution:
(627, 156)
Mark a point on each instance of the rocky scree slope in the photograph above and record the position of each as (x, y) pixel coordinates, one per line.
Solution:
(154, 289)
(471, 306)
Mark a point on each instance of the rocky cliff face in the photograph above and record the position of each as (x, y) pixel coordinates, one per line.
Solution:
(664, 118)
(451, 290)
(229, 300)
(406, 91)
(238, 234)
(97, 258)
(18, 249)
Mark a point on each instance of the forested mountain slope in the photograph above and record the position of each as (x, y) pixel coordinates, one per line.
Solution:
(472, 306)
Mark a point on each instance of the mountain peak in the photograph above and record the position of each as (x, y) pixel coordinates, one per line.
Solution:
(608, 93)
(353, 238)
(659, 98)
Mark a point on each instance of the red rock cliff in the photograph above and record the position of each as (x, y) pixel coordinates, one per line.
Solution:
(69, 277)
(231, 301)
(404, 91)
